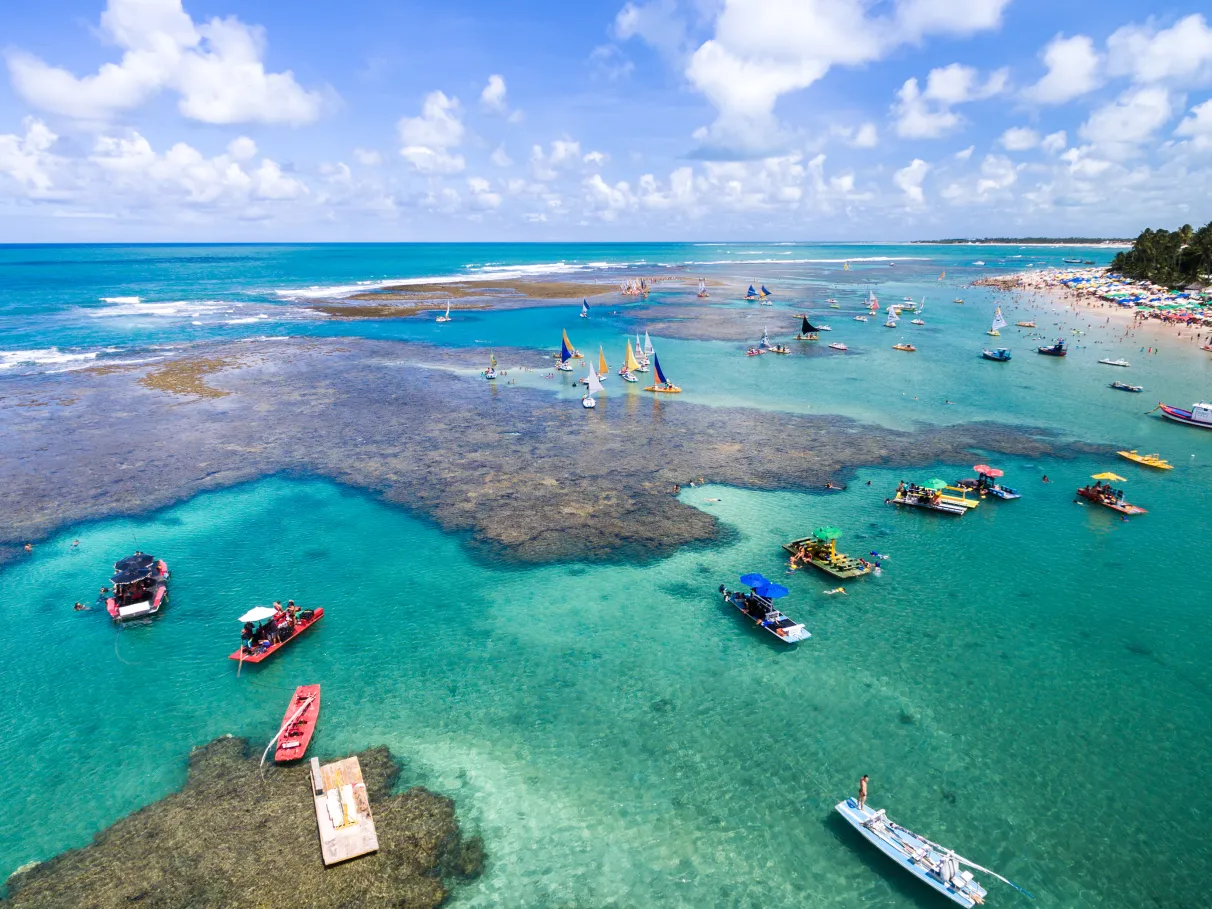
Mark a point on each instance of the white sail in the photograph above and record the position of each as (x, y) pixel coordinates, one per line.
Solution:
(647, 345)
(592, 381)
(998, 320)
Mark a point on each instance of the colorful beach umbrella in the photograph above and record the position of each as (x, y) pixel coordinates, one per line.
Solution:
(937, 484)
(988, 471)
(826, 533)
(1109, 476)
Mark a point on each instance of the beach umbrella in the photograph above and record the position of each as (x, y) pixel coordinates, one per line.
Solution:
(754, 580)
(258, 614)
(827, 533)
(937, 484)
(988, 471)
(772, 591)
(134, 561)
(1109, 477)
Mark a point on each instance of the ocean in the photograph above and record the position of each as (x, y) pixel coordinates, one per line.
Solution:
(1027, 684)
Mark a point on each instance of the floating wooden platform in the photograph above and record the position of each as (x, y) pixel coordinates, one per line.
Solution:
(840, 566)
(342, 811)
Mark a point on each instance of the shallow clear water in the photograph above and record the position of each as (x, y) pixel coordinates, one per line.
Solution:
(1028, 684)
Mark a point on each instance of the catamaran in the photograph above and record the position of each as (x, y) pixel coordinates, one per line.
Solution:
(445, 317)
(595, 387)
(662, 385)
(936, 865)
(584, 309)
(998, 322)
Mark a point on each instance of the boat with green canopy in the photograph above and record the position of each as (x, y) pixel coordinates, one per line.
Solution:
(820, 551)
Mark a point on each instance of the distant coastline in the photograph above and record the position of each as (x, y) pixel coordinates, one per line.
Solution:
(1105, 242)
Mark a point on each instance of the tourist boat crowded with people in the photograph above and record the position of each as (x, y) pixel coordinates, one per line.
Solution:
(140, 587)
(820, 551)
(929, 862)
(986, 483)
(267, 629)
(807, 331)
(929, 498)
(1103, 493)
(566, 346)
(758, 607)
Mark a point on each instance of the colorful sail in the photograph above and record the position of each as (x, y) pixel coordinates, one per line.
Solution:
(751, 292)
(647, 345)
(565, 353)
(602, 367)
(656, 364)
(492, 359)
(846, 267)
(998, 320)
(572, 351)
(765, 292)
(584, 307)
(631, 362)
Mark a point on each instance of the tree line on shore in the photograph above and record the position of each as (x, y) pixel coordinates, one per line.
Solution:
(1172, 258)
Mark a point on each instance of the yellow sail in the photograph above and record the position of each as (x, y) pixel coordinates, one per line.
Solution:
(633, 364)
(602, 367)
(566, 341)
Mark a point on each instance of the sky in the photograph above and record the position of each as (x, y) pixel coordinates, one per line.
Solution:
(262, 120)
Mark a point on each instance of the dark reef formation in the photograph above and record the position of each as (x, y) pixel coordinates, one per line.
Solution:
(533, 477)
(231, 839)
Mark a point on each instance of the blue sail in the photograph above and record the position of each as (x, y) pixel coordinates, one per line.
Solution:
(752, 292)
(765, 292)
(657, 366)
(565, 353)
(584, 306)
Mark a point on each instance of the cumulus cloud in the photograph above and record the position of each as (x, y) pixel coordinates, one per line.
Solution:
(1074, 68)
(1019, 138)
(426, 141)
(1054, 142)
(909, 180)
(500, 158)
(367, 157)
(481, 195)
(608, 62)
(214, 67)
(1119, 128)
(928, 114)
(493, 96)
(1196, 126)
(564, 153)
(27, 158)
(761, 50)
(1179, 54)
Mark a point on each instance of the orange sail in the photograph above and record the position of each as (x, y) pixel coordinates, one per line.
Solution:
(602, 368)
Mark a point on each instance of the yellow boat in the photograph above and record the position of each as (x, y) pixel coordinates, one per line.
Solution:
(961, 500)
(662, 385)
(1148, 460)
(903, 346)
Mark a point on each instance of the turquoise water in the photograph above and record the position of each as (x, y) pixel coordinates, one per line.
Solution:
(1029, 684)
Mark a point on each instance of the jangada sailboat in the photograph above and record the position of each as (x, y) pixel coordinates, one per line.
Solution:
(446, 316)
(647, 349)
(807, 331)
(584, 309)
(603, 369)
(566, 345)
(630, 366)
(751, 294)
(491, 372)
(999, 322)
(594, 387)
(640, 357)
(921, 308)
(662, 385)
(565, 355)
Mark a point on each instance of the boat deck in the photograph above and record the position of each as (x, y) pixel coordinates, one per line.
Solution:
(942, 506)
(258, 656)
(840, 566)
(347, 829)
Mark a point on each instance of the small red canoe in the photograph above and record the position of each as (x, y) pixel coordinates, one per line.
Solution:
(298, 724)
(264, 654)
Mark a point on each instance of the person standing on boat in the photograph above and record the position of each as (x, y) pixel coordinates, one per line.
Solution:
(862, 796)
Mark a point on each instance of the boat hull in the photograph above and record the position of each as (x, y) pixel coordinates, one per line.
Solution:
(1122, 507)
(665, 390)
(901, 848)
(1178, 415)
(265, 654)
(293, 742)
(784, 629)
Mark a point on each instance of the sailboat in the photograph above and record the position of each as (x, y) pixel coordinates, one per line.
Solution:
(998, 322)
(446, 317)
(846, 267)
(943, 275)
(565, 355)
(567, 345)
(765, 292)
(630, 366)
(662, 385)
(751, 294)
(893, 312)
(584, 309)
(594, 387)
(703, 288)
(491, 372)
(640, 357)
(920, 309)
(873, 302)
(807, 332)
(647, 348)
(603, 369)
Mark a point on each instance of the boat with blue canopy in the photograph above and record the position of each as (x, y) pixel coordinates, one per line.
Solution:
(929, 862)
(758, 607)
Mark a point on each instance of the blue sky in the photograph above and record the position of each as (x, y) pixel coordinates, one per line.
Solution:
(669, 119)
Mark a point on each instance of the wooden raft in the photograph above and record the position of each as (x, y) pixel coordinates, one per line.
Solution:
(347, 829)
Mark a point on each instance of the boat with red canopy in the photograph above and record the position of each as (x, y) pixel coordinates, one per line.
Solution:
(299, 724)
(268, 630)
(140, 587)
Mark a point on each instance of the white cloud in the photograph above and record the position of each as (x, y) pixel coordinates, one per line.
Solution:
(609, 63)
(761, 50)
(1180, 54)
(596, 158)
(1019, 138)
(367, 157)
(1119, 128)
(909, 180)
(546, 166)
(500, 158)
(215, 68)
(965, 153)
(242, 148)
(928, 114)
(866, 136)
(1073, 70)
(27, 158)
(1054, 142)
(493, 96)
(997, 173)
(426, 140)
(608, 200)
(482, 196)
(1197, 126)
(657, 23)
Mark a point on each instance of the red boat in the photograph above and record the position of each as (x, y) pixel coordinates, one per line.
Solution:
(139, 587)
(298, 724)
(1103, 495)
(264, 651)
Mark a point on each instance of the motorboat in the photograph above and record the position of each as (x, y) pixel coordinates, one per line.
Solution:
(999, 354)
(1199, 415)
(1107, 361)
(269, 634)
(1152, 460)
(140, 587)
(1058, 349)
(860, 318)
(1124, 386)
(758, 607)
(917, 322)
(1027, 324)
(838, 345)
(903, 346)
